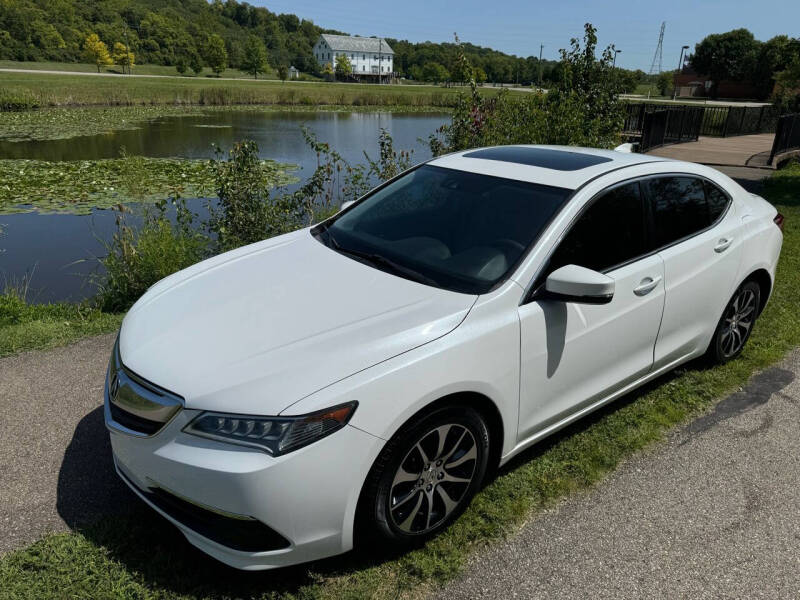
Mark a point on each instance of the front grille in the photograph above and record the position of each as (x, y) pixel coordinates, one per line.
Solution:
(133, 422)
(245, 534)
(136, 406)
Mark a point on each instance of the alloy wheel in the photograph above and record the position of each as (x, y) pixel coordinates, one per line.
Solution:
(433, 478)
(737, 322)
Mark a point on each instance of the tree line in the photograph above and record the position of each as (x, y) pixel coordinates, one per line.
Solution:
(193, 34)
(771, 66)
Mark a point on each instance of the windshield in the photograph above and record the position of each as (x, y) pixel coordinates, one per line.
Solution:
(452, 229)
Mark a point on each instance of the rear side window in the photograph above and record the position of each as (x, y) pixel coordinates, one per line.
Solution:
(610, 232)
(679, 207)
(717, 201)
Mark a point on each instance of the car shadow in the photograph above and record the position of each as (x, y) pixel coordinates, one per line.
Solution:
(88, 486)
(93, 501)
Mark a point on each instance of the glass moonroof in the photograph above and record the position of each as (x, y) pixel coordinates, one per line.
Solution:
(547, 158)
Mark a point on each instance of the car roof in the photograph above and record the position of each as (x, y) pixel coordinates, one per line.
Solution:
(559, 166)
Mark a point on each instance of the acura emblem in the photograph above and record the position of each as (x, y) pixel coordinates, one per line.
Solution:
(114, 386)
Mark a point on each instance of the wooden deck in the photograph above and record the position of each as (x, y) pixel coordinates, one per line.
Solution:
(739, 151)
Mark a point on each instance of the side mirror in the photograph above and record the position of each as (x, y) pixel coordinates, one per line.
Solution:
(578, 284)
(346, 204)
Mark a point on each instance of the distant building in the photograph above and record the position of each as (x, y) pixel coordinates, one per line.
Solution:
(294, 72)
(372, 58)
(692, 84)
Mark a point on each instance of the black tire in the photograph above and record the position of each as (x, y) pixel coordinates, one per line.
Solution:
(736, 324)
(415, 447)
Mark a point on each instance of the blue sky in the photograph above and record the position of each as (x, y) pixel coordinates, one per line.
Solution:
(518, 27)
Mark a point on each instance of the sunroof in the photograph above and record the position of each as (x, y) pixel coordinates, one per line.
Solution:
(559, 160)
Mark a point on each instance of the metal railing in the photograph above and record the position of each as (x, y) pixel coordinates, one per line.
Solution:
(716, 121)
(670, 125)
(787, 135)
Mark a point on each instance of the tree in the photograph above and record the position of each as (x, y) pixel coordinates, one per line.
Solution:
(283, 72)
(96, 51)
(787, 88)
(196, 63)
(216, 55)
(726, 56)
(181, 64)
(327, 71)
(582, 108)
(435, 72)
(480, 75)
(123, 56)
(344, 68)
(665, 81)
(254, 60)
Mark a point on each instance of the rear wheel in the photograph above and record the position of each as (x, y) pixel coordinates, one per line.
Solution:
(736, 324)
(426, 475)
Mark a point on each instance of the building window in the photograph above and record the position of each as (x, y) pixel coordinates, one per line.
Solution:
(363, 57)
(363, 67)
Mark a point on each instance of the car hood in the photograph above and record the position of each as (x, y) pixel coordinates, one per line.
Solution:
(254, 330)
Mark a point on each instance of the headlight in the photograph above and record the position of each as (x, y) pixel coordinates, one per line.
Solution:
(275, 435)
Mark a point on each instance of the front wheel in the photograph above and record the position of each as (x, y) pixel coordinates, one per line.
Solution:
(736, 324)
(426, 475)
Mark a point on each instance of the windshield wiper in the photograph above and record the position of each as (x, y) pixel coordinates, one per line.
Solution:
(378, 261)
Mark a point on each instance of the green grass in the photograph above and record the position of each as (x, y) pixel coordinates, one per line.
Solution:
(26, 326)
(138, 556)
(82, 90)
(161, 70)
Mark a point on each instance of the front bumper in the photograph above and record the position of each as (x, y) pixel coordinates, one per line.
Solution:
(306, 498)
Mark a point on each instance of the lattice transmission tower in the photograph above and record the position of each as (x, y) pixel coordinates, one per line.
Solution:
(658, 57)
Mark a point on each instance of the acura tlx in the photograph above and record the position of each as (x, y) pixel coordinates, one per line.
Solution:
(358, 379)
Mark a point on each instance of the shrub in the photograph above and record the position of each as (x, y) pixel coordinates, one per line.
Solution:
(138, 258)
(246, 212)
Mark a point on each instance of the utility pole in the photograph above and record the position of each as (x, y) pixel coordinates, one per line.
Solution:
(541, 47)
(380, 61)
(680, 68)
(614, 62)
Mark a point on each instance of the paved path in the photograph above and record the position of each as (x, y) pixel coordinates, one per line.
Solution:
(712, 513)
(742, 150)
(55, 458)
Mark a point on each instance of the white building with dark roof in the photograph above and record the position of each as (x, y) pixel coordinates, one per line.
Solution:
(371, 58)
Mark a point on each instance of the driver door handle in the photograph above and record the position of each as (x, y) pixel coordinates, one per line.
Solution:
(647, 285)
(723, 244)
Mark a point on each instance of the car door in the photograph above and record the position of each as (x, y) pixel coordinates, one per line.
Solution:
(699, 237)
(575, 354)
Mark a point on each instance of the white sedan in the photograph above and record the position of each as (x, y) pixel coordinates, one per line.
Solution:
(360, 377)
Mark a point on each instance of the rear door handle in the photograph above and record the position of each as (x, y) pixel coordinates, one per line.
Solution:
(647, 285)
(723, 244)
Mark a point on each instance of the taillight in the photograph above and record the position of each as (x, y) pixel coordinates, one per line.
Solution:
(779, 221)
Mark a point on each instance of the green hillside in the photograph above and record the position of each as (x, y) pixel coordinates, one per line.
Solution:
(168, 32)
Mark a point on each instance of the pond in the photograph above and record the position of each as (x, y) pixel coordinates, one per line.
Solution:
(60, 250)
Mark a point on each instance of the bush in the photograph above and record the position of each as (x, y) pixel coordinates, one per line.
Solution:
(246, 213)
(138, 258)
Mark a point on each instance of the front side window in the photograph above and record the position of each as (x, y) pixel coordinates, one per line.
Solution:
(451, 229)
(612, 231)
(679, 207)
